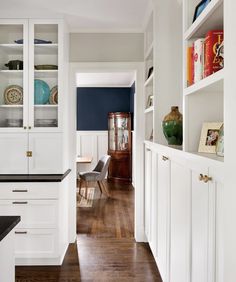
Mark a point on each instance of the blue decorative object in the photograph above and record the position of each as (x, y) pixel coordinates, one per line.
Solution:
(41, 92)
(199, 9)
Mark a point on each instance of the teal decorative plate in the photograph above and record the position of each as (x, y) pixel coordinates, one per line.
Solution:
(41, 92)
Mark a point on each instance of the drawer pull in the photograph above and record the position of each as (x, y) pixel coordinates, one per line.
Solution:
(165, 158)
(19, 203)
(207, 178)
(20, 191)
(20, 232)
(201, 177)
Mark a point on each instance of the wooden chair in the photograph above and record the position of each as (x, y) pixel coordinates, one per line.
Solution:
(97, 175)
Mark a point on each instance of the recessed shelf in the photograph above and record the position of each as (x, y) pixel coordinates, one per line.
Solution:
(13, 49)
(211, 18)
(211, 83)
(149, 53)
(149, 110)
(45, 73)
(149, 81)
(46, 49)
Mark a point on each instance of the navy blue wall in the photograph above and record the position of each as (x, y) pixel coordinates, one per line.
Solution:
(93, 105)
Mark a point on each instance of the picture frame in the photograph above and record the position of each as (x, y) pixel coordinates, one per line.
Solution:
(209, 137)
(220, 143)
(199, 8)
(150, 71)
(149, 101)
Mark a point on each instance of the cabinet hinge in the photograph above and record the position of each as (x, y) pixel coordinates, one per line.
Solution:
(29, 154)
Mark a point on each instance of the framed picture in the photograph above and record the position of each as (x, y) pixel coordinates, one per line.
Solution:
(209, 137)
(220, 143)
(150, 71)
(149, 101)
(200, 7)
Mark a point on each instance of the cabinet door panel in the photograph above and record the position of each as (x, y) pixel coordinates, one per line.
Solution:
(47, 153)
(200, 224)
(13, 147)
(163, 216)
(180, 222)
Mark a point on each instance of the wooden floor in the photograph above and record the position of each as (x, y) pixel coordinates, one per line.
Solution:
(106, 248)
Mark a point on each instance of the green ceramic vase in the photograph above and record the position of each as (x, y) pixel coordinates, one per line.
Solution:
(173, 127)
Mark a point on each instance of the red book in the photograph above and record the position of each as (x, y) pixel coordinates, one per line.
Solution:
(212, 42)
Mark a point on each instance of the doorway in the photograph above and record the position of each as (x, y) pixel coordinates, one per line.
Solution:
(137, 69)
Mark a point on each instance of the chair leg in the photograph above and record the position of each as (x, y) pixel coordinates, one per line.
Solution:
(80, 185)
(86, 189)
(100, 186)
(105, 189)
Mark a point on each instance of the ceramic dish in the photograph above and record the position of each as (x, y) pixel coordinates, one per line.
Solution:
(10, 122)
(53, 99)
(45, 122)
(46, 67)
(13, 95)
(41, 92)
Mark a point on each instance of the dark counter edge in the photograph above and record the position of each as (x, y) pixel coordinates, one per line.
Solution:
(7, 223)
(33, 177)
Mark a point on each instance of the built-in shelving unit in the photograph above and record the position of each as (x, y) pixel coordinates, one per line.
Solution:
(148, 84)
(204, 100)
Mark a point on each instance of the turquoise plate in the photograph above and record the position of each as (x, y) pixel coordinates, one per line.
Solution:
(41, 92)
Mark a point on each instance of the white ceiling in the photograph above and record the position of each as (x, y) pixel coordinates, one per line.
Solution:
(84, 15)
(123, 79)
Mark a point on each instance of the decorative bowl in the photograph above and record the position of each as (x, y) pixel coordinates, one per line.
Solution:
(46, 67)
(41, 92)
(53, 99)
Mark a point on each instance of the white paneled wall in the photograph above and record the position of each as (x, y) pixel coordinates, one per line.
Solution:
(91, 143)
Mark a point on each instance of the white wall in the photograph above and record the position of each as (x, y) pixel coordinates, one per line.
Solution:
(106, 47)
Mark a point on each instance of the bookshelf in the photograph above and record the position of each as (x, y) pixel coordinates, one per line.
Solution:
(204, 100)
(148, 76)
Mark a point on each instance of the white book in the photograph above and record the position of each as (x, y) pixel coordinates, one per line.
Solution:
(198, 59)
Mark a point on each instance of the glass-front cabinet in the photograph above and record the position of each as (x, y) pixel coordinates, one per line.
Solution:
(119, 147)
(30, 65)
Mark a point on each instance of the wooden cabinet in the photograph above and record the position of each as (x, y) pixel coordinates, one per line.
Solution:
(39, 94)
(119, 147)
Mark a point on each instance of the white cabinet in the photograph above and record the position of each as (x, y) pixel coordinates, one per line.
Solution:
(163, 216)
(40, 95)
(41, 237)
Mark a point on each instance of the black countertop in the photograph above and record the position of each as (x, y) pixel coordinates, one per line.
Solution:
(33, 177)
(7, 223)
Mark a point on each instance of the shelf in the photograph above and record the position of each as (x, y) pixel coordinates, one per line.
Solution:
(212, 157)
(212, 83)
(210, 18)
(45, 73)
(11, 106)
(13, 49)
(149, 53)
(12, 73)
(46, 49)
(149, 110)
(149, 81)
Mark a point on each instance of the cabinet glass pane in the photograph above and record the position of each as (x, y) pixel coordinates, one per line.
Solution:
(112, 144)
(11, 75)
(46, 75)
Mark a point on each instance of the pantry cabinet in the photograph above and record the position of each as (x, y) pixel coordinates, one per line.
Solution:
(32, 99)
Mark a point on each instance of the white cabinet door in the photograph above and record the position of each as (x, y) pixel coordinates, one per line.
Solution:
(163, 216)
(200, 225)
(147, 194)
(180, 222)
(47, 153)
(13, 148)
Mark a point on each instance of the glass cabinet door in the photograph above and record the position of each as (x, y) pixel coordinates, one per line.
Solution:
(13, 73)
(112, 141)
(44, 63)
(122, 133)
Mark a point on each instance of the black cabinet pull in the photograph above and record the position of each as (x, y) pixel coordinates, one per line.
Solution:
(20, 191)
(20, 232)
(19, 203)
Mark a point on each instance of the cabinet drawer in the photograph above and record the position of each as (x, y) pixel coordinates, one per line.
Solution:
(36, 243)
(28, 190)
(34, 213)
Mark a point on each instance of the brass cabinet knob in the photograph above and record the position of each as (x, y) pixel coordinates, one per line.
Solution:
(201, 177)
(165, 158)
(207, 178)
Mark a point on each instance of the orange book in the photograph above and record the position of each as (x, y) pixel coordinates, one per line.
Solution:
(190, 66)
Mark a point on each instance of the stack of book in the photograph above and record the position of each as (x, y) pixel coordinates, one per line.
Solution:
(203, 58)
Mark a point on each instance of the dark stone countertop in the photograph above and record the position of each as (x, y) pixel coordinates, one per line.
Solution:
(33, 177)
(7, 223)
